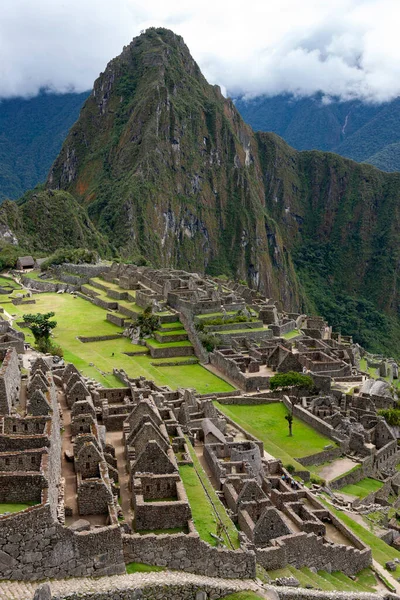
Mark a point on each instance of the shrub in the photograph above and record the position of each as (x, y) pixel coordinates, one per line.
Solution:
(210, 341)
(290, 468)
(71, 255)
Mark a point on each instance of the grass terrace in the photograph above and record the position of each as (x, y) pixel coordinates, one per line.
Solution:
(79, 317)
(267, 423)
(14, 508)
(291, 334)
(134, 567)
(363, 487)
(8, 282)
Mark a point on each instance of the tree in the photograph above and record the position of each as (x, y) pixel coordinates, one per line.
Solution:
(289, 419)
(291, 379)
(41, 327)
(147, 322)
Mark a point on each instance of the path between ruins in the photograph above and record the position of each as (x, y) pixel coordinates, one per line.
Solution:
(21, 590)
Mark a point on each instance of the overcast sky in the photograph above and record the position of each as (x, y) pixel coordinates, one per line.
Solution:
(347, 48)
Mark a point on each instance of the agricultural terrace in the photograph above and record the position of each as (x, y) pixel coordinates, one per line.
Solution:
(267, 422)
(78, 317)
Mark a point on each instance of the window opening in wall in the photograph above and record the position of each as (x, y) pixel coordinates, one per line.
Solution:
(14, 428)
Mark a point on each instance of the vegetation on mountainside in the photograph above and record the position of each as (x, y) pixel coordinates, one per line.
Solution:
(356, 316)
(32, 132)
(363, 132)
(45, 220)
(70, 255)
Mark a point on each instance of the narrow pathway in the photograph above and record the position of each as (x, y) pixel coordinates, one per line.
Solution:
(115, 439)
(67, 467)
(21, 590)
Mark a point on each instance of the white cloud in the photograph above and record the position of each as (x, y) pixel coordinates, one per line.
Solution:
(344, 48)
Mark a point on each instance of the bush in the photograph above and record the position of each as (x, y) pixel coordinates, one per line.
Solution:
(391, 416)
(70, 255)
(210, 341)
(290, 469)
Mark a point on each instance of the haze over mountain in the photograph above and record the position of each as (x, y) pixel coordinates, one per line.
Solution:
(169, 172)
(362, 131)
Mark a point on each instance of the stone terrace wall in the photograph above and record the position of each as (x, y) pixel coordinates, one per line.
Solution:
(355, 475)
(162, 591)
(308, 550)
(320, 457)
(229, 368)
(10, 381)
(34, 546)
(189, 553)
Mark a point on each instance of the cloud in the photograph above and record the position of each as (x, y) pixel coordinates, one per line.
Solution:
(345, 48)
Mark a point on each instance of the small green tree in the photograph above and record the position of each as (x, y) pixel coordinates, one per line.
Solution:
(147, 322)
(289, 419)
(41, 326)
(291, 379)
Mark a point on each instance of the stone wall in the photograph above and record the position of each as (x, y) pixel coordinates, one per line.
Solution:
(161, 591)
(189, 553)
(35, 546)
(10, 381)
(355, 475)
(230, 368)
(307, 550)
(98, 338)
(320, 457)
(42, 285)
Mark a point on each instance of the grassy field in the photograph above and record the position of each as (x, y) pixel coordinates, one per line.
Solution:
(79, 317)
(13, 508)
(203, 511)
(267, 422)
(363, 487)
(142, 568)
(291, 334)
(8, 282)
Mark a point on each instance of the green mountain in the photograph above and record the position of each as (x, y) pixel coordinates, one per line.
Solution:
(168, 170)
(44, 220)
(31, 134)
(364, 132)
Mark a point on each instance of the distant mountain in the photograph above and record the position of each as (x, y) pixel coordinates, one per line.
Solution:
(31, 134)
(364, 132)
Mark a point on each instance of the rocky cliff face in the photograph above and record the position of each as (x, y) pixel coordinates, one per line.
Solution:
(169, 171)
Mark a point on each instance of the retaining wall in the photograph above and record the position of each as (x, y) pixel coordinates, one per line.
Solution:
(189, 553)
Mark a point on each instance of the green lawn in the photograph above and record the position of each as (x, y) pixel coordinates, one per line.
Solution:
(267, 423)
(291, 334)
(328, 581)
(79, 317)
(204, 515)
(13, 508)
(8, 282)
(134, 567)
(363, 487)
